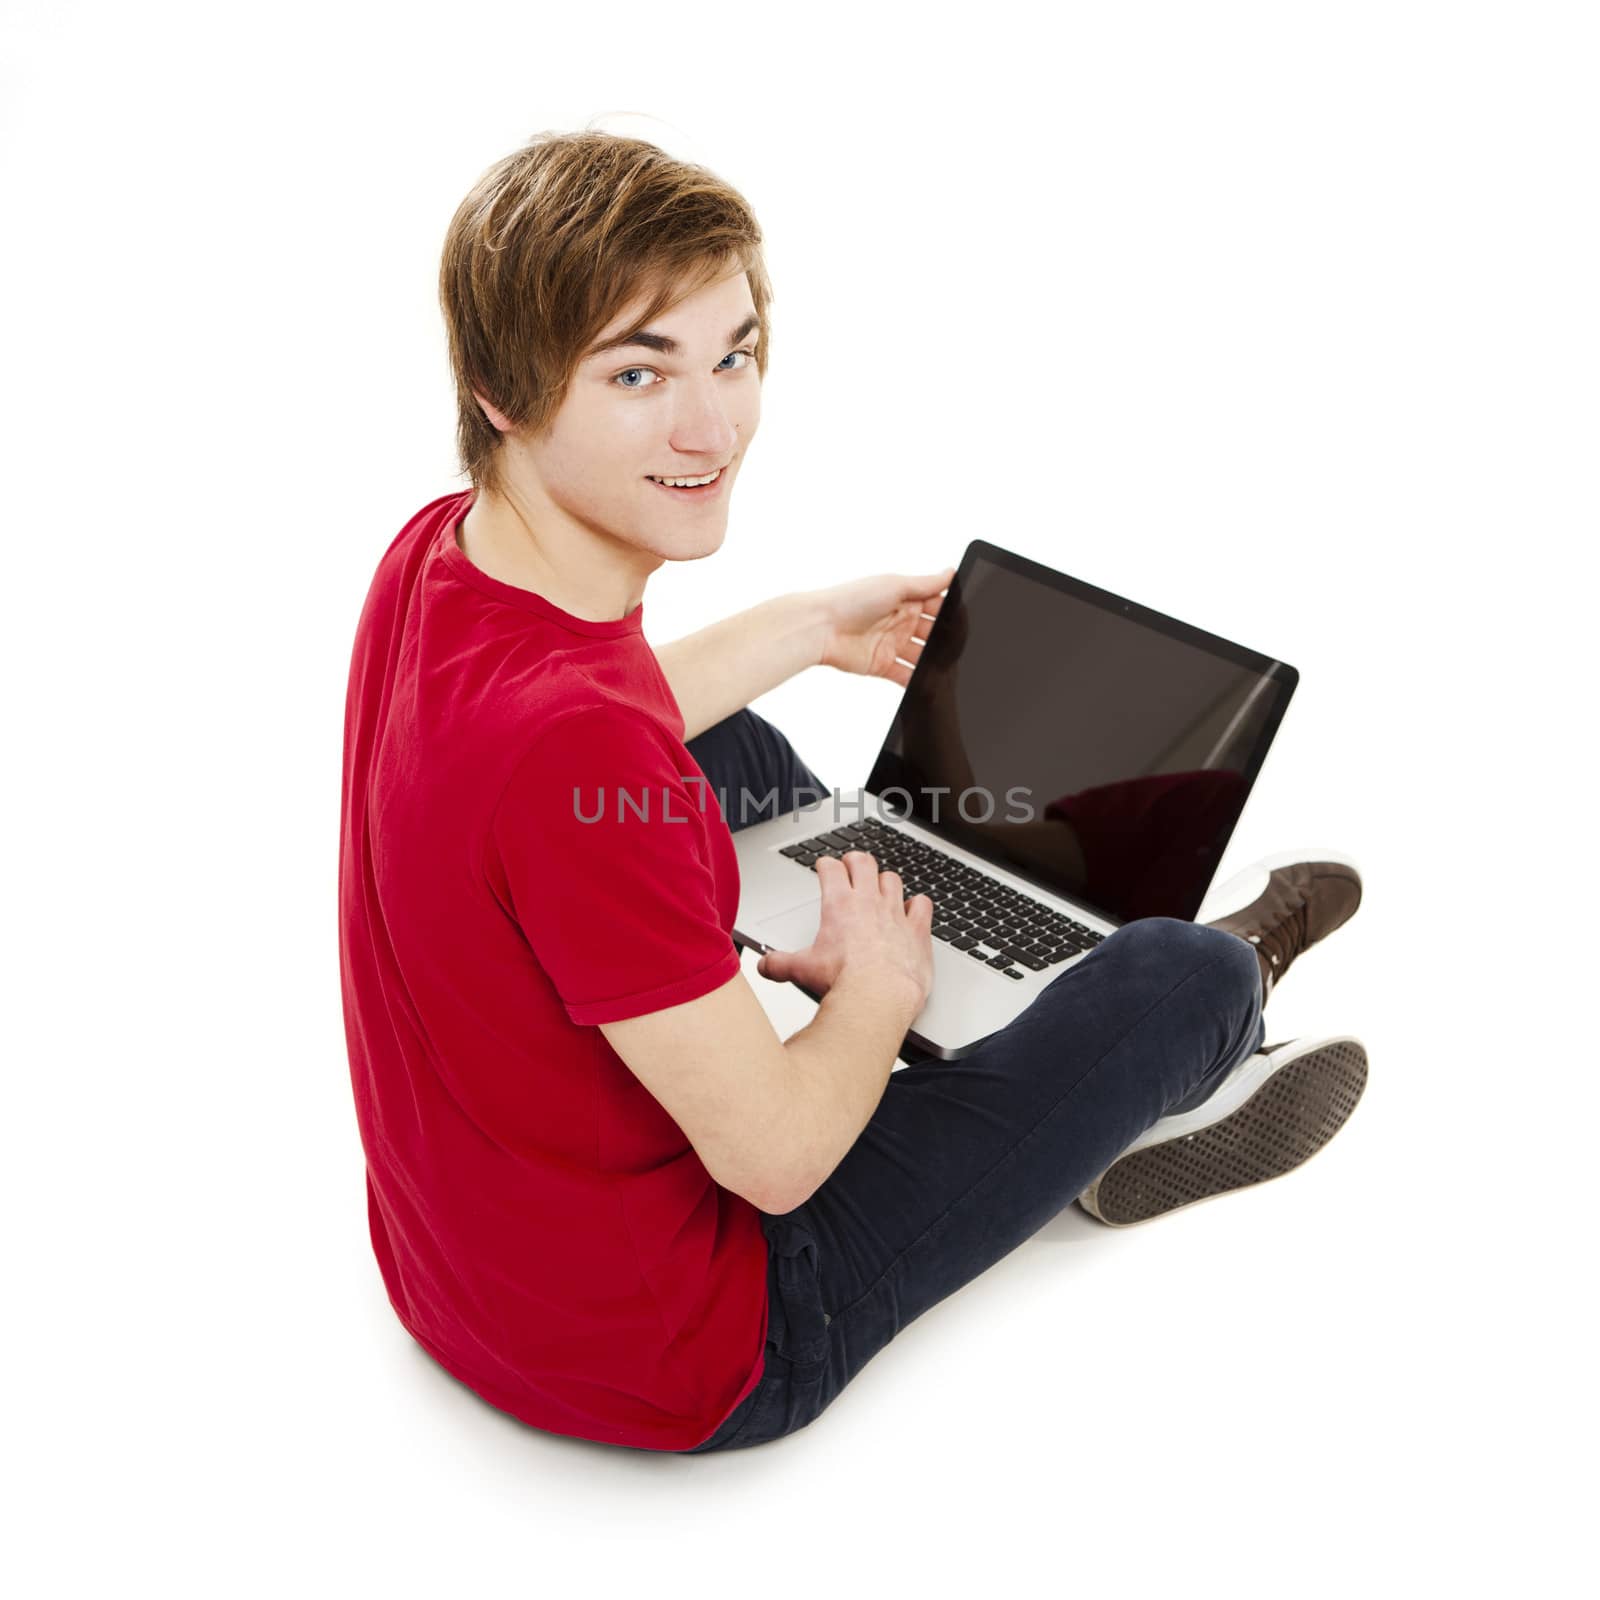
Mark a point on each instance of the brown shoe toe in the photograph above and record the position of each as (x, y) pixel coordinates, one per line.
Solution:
(1303, 902)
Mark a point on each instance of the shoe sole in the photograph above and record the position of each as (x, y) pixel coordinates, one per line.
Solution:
(1275, 1114)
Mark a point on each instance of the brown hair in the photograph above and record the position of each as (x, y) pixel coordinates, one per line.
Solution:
(550, 245)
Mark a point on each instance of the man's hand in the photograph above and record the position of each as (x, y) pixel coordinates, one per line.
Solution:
(866, 921)
(873, 624)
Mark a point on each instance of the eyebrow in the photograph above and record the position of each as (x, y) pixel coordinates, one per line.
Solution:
(662, 343)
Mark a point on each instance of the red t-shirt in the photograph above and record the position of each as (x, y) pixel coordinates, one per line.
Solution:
(544, 1229)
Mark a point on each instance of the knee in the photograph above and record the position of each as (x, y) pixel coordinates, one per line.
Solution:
(755, 770)
(738, 726)
(1226, 961)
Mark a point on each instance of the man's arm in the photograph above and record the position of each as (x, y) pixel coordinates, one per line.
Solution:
(770, 1119)
(721, 669)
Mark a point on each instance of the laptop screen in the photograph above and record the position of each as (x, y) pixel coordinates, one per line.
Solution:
(1091, 745)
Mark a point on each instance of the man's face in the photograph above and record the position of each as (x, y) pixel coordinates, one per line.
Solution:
(639, 410)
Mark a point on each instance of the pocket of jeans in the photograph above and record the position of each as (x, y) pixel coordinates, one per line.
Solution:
(803, 1340)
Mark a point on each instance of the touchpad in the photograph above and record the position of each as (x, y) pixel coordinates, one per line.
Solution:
(790, 930)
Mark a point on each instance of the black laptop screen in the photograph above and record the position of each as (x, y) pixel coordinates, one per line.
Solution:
(1091, 745)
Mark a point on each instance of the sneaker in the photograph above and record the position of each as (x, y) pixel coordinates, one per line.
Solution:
(1294, 900)
(1276, 1109)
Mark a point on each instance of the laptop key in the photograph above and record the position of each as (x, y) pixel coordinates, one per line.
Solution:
(1011, 972)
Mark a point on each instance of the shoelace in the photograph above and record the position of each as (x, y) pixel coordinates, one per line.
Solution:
(1284, 940)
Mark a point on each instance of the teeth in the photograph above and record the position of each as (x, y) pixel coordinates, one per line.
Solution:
(689, 483)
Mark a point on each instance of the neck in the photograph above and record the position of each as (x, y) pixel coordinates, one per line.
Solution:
(594, 580)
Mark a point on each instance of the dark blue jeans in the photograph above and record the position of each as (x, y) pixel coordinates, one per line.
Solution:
(964, 1160)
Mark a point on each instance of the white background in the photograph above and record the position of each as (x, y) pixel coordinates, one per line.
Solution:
(1280, 318)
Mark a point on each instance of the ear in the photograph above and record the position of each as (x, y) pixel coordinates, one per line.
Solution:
(496, 416)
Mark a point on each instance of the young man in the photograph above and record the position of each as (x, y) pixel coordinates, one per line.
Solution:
(602, 1191)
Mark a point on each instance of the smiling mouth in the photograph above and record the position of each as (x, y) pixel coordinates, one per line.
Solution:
(709, 482)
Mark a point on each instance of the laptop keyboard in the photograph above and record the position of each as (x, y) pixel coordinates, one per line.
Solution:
(972, 912)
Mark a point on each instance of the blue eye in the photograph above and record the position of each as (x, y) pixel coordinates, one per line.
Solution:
(749, 356)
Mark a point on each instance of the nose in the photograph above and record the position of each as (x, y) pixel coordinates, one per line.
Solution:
(701, 426)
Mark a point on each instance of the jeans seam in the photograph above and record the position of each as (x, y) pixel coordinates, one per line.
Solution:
(1031, 1134)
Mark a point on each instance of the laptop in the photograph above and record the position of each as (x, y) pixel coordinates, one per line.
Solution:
(1062, 761)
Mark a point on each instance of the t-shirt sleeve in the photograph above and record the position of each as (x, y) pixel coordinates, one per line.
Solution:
(599, 846)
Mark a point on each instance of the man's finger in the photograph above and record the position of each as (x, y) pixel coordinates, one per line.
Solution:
(862, 868)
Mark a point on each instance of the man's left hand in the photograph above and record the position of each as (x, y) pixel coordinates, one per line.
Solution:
(874, 623)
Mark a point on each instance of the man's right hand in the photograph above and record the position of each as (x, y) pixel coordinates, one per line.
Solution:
(867, 924)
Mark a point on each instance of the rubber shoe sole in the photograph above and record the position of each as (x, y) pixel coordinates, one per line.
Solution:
(1275, 1111)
